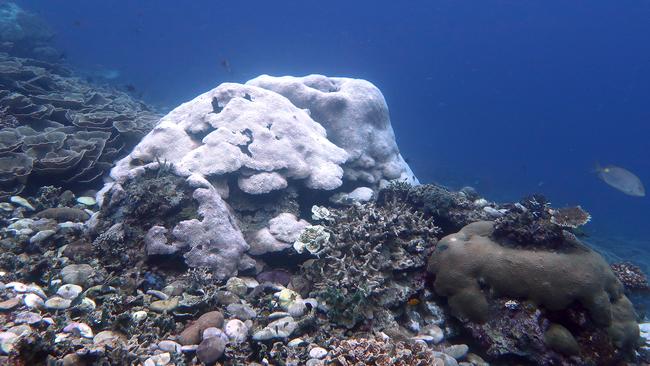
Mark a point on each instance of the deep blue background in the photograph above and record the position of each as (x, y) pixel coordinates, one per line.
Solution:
(511, 97)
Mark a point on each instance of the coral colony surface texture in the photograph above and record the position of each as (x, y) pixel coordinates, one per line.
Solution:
(275, 223)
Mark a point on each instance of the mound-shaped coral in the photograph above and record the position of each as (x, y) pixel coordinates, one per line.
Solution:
(355, 115)
(255, 148)
(58, 127)
(470, 269)
(266, 139)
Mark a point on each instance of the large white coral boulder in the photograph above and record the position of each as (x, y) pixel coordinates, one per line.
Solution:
(252, 132)
(355, 115)
(270, 134)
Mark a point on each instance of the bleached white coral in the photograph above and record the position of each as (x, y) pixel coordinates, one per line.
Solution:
(256, 134)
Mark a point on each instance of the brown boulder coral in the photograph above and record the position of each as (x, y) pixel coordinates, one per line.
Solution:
(470, 269)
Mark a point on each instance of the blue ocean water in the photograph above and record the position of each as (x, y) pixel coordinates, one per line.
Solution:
(511, 97)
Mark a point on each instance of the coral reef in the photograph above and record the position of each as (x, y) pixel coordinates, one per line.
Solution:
(450, 210)
(571, 217)
(380, 352)
(202, 250)
(59, 127)
(264, 157)
(631, 276)
(355, 116)
(371, 261)
(24, 34)
(470, 268)
(532, 223)
(253, 133)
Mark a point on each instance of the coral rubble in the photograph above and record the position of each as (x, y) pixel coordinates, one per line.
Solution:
(378, 352)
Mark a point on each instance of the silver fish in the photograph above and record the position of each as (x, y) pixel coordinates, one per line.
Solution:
(621, 179)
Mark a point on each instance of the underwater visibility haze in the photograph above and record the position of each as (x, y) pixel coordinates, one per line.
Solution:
(324, 183)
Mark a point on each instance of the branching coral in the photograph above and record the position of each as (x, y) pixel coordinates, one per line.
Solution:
(368, 261)
(631, 276)
(450, 210)
(152, 199)
(528, 223)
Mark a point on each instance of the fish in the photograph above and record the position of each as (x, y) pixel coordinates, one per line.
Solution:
(621, 179)
(225, 63)
(413, 302)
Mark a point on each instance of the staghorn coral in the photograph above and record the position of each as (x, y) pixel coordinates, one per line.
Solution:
(380, 352)
(450, 210)
(631, 276)
(59, 127)
(371, 260)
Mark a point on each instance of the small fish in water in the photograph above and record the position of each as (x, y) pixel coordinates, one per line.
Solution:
(129, 87)
(621, 179)
(413, 302)
(226, 65)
